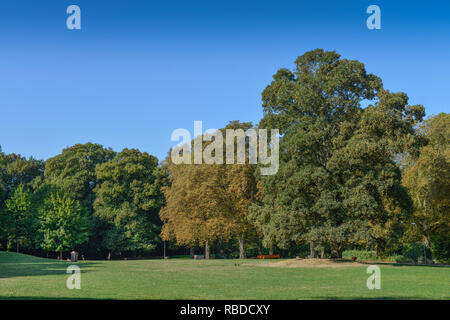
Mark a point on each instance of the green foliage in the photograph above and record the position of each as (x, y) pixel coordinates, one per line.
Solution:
(22, 217)
(427, 177)
(73, 171)
(440, 246)
(337, 184)
(15, 171)
(349, 177)
(359, 254)
(129, 197)
(63, 223)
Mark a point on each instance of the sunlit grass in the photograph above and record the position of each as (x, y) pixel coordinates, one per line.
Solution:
(26, 277)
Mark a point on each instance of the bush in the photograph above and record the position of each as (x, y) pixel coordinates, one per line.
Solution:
(440, 246)
(408, 252)
(359, 254)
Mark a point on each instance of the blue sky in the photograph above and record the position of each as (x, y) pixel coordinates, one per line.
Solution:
(137, 70)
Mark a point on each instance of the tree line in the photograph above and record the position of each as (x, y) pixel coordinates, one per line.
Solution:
(357, 166)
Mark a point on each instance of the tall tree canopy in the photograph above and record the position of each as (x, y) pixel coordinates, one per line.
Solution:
(427, 178)
(210, 202)
(129, 197)
(193, 214)
(74, 170)
(63, 223)
(15, 171)
(21, 217)
(338, 183)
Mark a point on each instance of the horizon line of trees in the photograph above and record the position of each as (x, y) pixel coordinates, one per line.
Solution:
(349, 178)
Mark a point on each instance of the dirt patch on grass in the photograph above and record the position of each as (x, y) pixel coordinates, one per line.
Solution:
(312, 263)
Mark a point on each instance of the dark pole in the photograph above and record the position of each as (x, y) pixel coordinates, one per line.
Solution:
(413, 243)
(164, 249)
(424, 253)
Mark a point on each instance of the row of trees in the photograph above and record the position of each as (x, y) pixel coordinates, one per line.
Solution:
(88, 197)
(349, 177)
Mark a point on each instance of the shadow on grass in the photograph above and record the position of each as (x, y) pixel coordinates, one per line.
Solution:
(375, 298)
(5, 298)
(11, 270)
(398, 264)
(386, 298)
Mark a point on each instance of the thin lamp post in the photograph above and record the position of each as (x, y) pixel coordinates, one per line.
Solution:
(424, 252)
(413, 243)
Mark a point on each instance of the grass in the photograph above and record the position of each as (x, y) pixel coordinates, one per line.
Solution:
(27, 277)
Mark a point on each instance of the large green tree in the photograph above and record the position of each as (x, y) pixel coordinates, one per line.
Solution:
(22, 218)
(128, 198)
(15, 170)
(338, 183)
(73, 172)
(63, 223)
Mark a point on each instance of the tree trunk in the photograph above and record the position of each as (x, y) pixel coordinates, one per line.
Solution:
(206, 250)
(271, 249)
(322, 253)
(5, 245)
(60, 254)
(312, 250)
(336, 252)
(241, 247)
(427, 242)
(191, 252)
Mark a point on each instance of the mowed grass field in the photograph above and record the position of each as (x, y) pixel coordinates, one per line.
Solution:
(27, 277)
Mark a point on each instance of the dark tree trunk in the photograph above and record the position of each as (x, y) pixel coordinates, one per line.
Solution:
(271, 249)
(206, 250)
(5, 245)
(312, 250)
(60, 254)
(241, 247)
(336, 252)
(191, 252)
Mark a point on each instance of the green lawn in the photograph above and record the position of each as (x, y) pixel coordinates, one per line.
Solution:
(26, 277)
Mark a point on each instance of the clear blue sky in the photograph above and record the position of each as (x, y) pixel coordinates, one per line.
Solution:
(140, 69)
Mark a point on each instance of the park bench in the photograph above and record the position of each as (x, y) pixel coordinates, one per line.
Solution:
(268, 256)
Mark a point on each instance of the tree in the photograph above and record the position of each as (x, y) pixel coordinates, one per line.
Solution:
(239, 183)
(18, 170)
(73, 172)
(193, 215)
(128, 198)
(427, 177)
(22, 217)
(15, 170)
(63, 223)
(338, 183)
(210, 202)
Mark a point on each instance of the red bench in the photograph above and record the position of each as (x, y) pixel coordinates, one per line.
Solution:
(268, 256)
